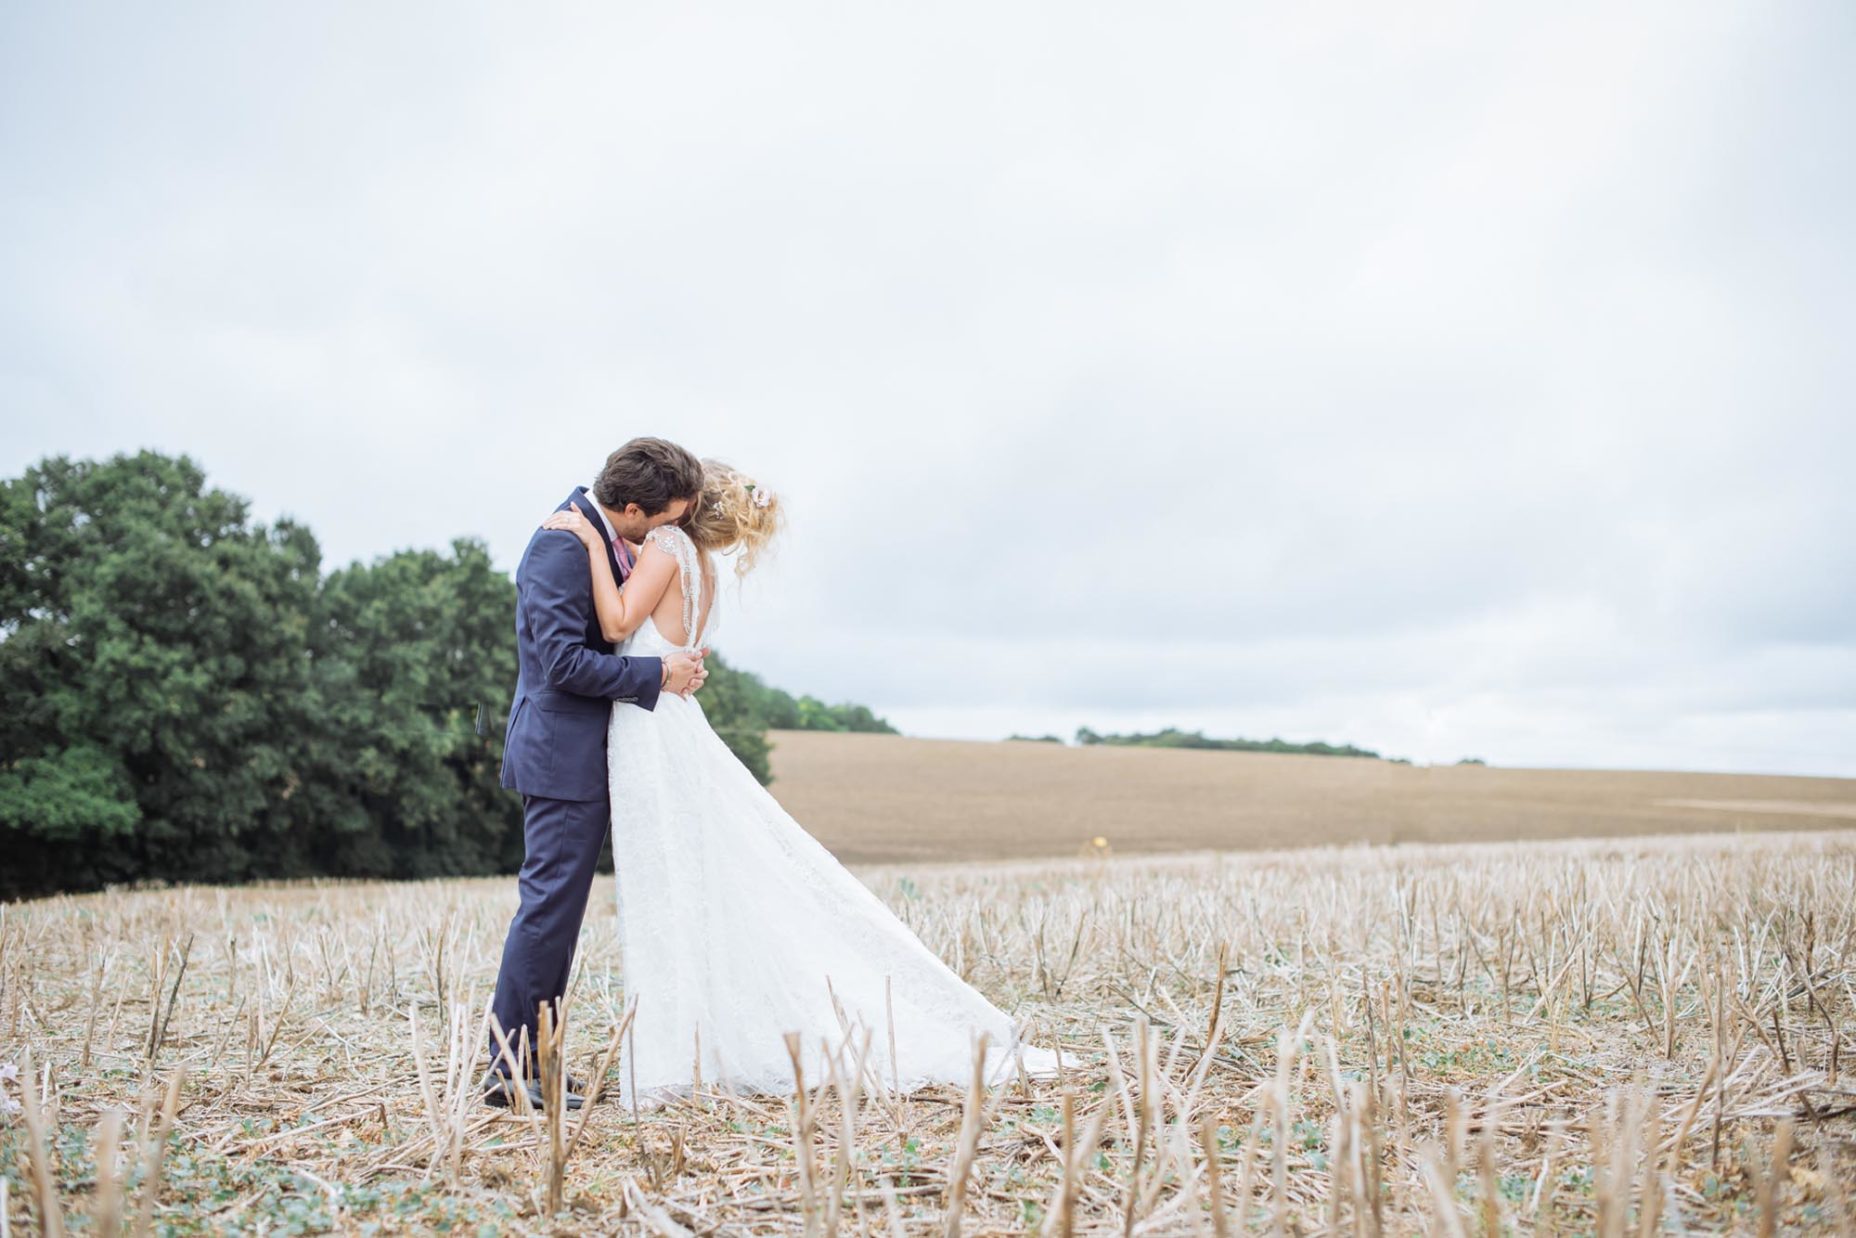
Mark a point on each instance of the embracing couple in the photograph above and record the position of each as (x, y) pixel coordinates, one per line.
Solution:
(736, 927)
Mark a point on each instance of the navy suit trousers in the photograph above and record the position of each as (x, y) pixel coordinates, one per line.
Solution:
(561, 841)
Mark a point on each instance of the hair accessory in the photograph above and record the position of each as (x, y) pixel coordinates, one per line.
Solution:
(762, 497)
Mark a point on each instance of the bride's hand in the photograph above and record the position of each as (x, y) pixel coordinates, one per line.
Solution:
(575, 523)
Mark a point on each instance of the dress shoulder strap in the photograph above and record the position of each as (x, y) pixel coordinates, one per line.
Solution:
(674, 542)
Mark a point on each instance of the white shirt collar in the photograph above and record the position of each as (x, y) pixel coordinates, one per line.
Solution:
(612, 534)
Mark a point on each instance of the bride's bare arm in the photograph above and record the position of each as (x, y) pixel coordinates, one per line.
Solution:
(620, 610)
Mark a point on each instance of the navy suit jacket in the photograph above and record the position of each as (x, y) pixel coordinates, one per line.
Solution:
(567, 676)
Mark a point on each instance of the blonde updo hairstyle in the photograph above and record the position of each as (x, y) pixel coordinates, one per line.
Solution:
(735, 512)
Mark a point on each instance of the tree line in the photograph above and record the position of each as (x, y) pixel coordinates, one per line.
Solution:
(185, 695)
(1172, 737)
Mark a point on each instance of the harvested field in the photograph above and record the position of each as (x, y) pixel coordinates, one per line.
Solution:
(1610, 1037)
(882, 798)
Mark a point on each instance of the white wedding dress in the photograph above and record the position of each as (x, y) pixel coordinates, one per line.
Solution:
(737, 927)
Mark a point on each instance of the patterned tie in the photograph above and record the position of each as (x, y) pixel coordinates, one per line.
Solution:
(624, 555)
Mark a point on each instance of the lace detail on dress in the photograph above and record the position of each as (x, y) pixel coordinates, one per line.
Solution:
(677, 544)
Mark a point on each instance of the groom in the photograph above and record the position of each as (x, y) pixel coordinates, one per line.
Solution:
(555, 750)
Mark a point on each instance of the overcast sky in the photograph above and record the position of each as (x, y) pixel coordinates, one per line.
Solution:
(1445, 379)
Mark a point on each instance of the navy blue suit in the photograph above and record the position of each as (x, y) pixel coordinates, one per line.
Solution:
(554, 753)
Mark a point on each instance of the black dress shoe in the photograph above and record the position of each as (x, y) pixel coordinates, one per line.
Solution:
(578, 1087)
(500, 1093)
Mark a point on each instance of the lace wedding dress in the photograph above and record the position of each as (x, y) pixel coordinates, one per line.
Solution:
(737, 927)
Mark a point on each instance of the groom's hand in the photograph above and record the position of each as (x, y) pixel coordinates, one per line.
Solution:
(682, 672)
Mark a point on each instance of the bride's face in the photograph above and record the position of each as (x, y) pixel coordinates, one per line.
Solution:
(632, 524)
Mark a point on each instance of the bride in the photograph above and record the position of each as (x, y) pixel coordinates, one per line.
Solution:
(735, 925)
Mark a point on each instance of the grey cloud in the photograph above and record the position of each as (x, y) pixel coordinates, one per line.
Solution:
(1471, 381)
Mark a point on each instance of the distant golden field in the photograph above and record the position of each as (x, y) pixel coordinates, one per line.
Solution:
(884, 798)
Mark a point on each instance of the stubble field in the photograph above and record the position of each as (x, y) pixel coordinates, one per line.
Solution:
(1596, 1037)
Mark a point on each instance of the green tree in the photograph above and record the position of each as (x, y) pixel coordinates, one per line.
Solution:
(183, 697)
(155, 669)
(416, 651)
(1173, 737)
(738, 705)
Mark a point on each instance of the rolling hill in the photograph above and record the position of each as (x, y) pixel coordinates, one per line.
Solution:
(881, 798)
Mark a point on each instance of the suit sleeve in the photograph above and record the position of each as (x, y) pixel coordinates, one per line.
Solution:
(557, 600)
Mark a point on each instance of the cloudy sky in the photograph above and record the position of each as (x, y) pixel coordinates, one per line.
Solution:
(1448, 379)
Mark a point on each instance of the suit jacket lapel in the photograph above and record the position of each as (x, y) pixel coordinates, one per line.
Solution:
(584, 502)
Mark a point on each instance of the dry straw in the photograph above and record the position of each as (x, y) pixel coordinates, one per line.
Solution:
(1615, 1038)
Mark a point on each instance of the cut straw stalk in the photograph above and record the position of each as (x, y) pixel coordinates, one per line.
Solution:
(974, 1118)
(33, 1103)
(1772, 1182)
(154, 1156)
(1079, 1145)
(804, 1121)
(106, 1210)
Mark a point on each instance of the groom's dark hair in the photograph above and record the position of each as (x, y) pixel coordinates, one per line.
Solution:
(649, 472)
